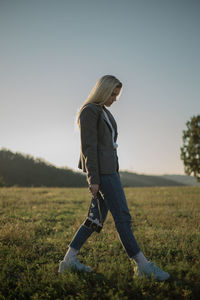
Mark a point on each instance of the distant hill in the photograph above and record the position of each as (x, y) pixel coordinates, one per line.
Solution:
(187, 180)
(25, 170)
(136, 180)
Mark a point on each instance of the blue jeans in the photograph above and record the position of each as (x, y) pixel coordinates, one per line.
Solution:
(114, 200)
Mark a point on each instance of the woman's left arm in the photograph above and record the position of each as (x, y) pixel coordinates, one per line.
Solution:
(88, 130)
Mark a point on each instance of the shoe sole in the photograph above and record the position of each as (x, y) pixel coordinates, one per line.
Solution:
(64, 267)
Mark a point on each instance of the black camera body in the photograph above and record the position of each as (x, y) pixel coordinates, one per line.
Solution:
(93, 224)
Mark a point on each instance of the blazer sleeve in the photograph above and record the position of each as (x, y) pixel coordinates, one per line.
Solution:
(89, 138)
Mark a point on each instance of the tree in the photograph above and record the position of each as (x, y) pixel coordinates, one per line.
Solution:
(190, 151)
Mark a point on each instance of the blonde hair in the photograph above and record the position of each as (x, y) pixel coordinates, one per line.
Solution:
(102, 91)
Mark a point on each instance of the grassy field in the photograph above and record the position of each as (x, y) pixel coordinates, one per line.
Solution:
(37, 224)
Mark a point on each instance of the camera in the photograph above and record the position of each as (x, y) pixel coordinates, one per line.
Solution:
(93, 224)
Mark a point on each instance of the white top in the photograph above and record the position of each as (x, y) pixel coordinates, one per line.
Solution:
(113, 131)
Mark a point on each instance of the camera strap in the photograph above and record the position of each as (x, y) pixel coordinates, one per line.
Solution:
(99, 207)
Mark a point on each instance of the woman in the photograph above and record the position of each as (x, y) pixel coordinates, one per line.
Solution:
(98, 158)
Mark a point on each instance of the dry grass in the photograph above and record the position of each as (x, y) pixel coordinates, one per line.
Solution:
(37, 224)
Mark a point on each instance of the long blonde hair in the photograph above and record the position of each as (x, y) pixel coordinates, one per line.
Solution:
(102, 91)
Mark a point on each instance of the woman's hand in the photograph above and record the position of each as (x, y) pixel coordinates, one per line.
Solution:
(94, 188)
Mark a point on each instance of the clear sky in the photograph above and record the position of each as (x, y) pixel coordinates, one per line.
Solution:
(53, 52)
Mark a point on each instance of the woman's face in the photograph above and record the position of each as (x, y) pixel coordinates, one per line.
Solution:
(113, 97)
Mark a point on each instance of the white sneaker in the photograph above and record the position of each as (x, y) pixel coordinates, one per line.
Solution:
(74, 265)
(151, 270)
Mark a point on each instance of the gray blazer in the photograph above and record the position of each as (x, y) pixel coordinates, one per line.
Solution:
(98, 155)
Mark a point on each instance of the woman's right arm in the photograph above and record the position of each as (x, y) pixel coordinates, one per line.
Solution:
(88, 133)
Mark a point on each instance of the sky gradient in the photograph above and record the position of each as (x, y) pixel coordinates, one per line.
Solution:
(53, 52)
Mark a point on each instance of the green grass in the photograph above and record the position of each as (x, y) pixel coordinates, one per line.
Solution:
(37, 224)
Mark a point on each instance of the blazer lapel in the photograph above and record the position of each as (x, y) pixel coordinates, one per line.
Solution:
(104, 117)
(112, 120)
